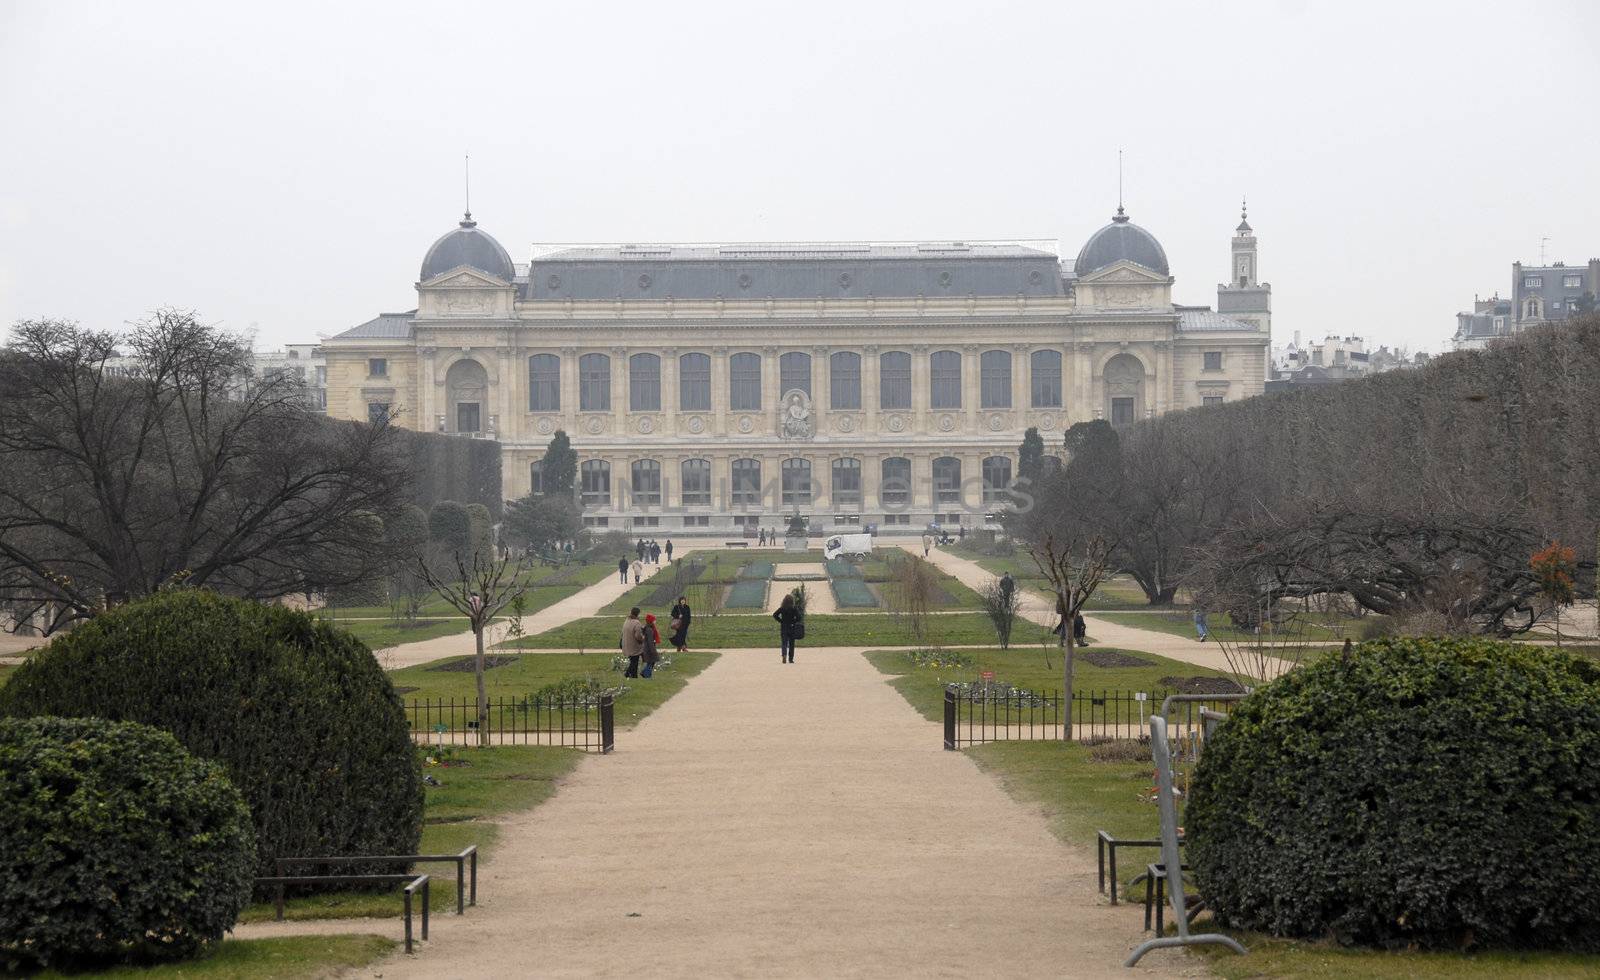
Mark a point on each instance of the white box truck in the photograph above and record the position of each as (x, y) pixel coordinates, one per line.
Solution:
(847, 546)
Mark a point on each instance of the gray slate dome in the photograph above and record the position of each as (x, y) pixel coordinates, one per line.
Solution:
(468, 246)
(1121, 239)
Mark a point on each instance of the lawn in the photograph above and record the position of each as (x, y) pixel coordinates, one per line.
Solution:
(377, 628)
(531, 671)
(1181, 623)
(738, 631)
(5, 673)
(260, 959)
(458, 812)
(1118, 592)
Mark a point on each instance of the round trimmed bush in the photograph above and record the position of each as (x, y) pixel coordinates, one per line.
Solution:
(1428, 792)
(299, 714)
(115, 844)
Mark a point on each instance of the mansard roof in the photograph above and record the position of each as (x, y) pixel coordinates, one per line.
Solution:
(384, 326)
(793, 270)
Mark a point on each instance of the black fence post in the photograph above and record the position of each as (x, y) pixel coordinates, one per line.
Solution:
(607, 724)
(949, 719)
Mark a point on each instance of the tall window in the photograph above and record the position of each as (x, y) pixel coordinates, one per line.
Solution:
(844, 380)
(695, 482)
(846, 482)
(746, 481)
(796, 481)
(895, 487)
(1045, 368)
(544, 383)
(994, 376)
(694, 383)
(646, 481)
(594, 383)
(595, 481)
(378, 413)
(947, 480)
(536, 476)
(794, 372)
(744, 382)
(644, 383)
(894, 379)
(1213, 360)
(378, 367)
(996, 478)
(944, 368)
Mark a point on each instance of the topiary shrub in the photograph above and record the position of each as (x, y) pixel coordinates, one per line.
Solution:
(1429, 792)
(115, 845)
(300, 715)
(450, 528)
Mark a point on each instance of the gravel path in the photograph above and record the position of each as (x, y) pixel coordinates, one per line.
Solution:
(781, 821)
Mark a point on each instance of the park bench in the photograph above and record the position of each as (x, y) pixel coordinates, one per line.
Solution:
(736, 544)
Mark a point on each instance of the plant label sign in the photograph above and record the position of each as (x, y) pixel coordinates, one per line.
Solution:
(988, 676)
(1140, 696)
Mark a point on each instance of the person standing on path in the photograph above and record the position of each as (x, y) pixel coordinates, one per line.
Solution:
(1080, 630)
(638, 571)
(681, 615)
(788, 617)
(1200, 624)
(622, 569)
(651, 652)
(669, 551)
(1008, 586)
(632, 642)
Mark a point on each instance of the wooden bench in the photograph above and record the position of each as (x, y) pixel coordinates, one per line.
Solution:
(736, 544)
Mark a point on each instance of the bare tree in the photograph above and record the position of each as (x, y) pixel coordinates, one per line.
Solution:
(479, 587)
(1075, 567)
(183, 467)
(1001, 603)
(913, 584)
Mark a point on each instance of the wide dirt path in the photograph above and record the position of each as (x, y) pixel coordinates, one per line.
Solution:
(776, 820)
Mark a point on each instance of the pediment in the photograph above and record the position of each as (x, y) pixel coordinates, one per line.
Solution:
(1125, 271)
(464, 277)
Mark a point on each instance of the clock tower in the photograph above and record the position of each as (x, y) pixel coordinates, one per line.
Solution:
(1244, 297)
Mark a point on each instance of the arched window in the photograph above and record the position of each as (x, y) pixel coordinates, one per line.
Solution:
(994, 377)
(544, 383)
(595, 475)
(694, 382)
(745, 477)
(536, 476)
(794, 373)
(947, 480)
(944, 369)
(846, 482)
(695, 482)
(894, 490)
(894, 379)
(467, 386)
(844, 380)
(796, 481)
(594, 383)
(1045, 369)
(646, 482)
(744, 383)
(996, 478)
(644, 383)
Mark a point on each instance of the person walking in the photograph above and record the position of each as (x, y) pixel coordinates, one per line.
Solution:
(761, 537)
(632, 642)
(1079, 630)
(790, 628)
(669, 551)
(655, 553)
(638, 571)
(1200, 624)
(681, 616)
(622, 569)
(651, 651)
(1008, 587)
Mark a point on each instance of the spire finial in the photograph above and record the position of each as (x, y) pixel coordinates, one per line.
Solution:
(1119, 182)
(1244, 209)
(466, 182)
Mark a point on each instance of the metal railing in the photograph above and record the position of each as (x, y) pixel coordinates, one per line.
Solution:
(466, 864)
(999, 713)
(581, 723)
(412, 884)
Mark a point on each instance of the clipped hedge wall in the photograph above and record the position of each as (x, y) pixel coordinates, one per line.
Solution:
(115, 845)
(299, 714)
(1428, 792)
(453, 468)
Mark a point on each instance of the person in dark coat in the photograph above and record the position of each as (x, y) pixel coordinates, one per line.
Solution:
(1079, 630)
(788, 617)
(651, 652)
(622, 570)
(681, 616)
(669, 551)
(632, 642)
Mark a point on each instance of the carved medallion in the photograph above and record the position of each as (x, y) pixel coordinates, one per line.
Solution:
(546, 426)
(595, 425)
(1046, 421)
(997, 422)
(696, 424)
(844, 423)
(895, 423)
(647, 425)
(747, 424)
(947, 423)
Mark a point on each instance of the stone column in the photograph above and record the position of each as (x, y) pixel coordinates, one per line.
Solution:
(869, 388)
(428, 420)
(619, 391)
(719, 391)
(669, 383)
(770, 395)
(970, 380)
(871, 481)
(569, 389)
(1021, 382)
(920, 375)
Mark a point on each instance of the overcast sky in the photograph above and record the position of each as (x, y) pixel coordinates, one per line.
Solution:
(286, 170)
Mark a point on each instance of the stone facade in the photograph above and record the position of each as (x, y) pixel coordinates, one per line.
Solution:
(705, 387)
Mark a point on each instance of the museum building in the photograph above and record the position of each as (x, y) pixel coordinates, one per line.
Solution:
(717, 386)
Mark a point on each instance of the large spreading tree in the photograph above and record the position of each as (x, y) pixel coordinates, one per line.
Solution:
(133, 461)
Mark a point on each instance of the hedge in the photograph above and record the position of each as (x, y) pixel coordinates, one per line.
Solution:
(453, 468)
(115, 845)
(450, 527)
(852, 593)
(747, 594)
(1427, 792)
(299, 714)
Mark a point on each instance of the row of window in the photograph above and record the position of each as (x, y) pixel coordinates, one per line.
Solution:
(795, 481)
(794, 373)
(1567, 282)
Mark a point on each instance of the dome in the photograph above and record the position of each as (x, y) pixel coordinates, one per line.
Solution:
(1121, 239)
(468, 246)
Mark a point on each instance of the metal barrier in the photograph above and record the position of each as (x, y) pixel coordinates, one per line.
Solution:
(975, 715)
(579, 723)
(412, 884)
(466, 867)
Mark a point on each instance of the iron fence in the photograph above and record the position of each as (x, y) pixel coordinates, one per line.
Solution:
(579, 722)
(975, 714)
